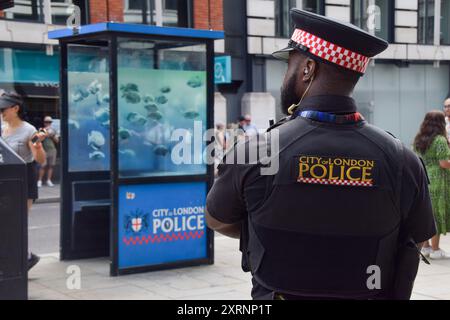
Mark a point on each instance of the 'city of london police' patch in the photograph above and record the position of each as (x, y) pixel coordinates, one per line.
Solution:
(336, 171)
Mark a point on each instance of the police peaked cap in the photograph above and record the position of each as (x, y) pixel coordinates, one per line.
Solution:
(331, 41)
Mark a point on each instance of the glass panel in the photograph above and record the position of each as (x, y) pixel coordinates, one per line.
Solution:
(361, 16)
(28, 66)
(283, 21)
(161, 88)
(445, 22)
(426, 21)
(25, 10)
(61, 10)
(175, 13)
(88, 108)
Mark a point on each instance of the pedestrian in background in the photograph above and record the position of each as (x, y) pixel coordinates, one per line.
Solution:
(432, 145)
(19, 134)
(249, 128)
(447, 116)
(49, 144)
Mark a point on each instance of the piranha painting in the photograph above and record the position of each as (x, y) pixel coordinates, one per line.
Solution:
(136, 119)
(80, 94)
(102, 115)
(131, 97)
(73, 124)
(151, 107)
(96, 140)
(148, 99)
(128, 153)
(165, 89)
(161, 150)
(195, 82)
(124, 133)
(96, 155)
(191, 114)
(129, 87)
(155, 115)
(161, 100)
(95, 87)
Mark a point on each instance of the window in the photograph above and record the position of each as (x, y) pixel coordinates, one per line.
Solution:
(382, 20)
(25, 10)
(173, 13)
(283, 23)
(445, 22)
(60, 11)
(426, 22)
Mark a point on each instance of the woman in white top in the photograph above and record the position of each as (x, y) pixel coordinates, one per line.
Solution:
(18, 134)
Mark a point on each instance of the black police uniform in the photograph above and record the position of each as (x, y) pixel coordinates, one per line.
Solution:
(347, 197)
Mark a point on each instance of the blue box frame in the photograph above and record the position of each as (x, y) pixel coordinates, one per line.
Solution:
(106, 34)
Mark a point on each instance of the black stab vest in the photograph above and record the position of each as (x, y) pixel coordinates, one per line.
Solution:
(324, 240)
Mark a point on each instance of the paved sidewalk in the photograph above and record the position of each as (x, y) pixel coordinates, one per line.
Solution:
(223, 280)
(49, 194)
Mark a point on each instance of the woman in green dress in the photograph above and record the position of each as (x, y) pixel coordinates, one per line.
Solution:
(432, 145)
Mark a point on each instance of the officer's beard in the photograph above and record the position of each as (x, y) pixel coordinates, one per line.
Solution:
(288, 94)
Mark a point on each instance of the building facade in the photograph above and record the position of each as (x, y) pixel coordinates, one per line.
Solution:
(401, 84)
(29, 61)
(404, 82)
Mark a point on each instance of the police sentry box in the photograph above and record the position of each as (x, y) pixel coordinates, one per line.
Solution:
(134, 177)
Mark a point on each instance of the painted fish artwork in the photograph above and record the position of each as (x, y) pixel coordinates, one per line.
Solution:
(131, 97)
(129, 87)
(94, 87)
(166, 105)
(96, 140)
(148, 99)
(161, 99)
(124, 134)
(128, 153)
(151, 107)
(191, 114)
(136, 119)
(165, 89)
(161, 150)
(102, 115)
(195, 82)
(96, 155)
(79, 94)
(73, 124)
(156, 115)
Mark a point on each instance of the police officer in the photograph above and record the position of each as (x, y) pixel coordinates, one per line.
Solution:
(341, 217)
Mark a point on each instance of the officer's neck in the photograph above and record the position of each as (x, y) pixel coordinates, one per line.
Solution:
(322, 90)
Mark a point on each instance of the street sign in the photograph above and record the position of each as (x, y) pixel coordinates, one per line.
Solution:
(6, 4)
(222, 69)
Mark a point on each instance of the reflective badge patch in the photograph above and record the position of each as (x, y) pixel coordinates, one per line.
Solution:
(336, 171)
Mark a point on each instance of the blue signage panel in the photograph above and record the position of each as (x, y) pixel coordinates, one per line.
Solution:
(222, 69)
(161, 223)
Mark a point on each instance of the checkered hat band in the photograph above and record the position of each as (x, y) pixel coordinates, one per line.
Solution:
(331, 52)
(336, 182)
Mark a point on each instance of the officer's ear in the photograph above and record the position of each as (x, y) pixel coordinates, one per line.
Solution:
(309, 70)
